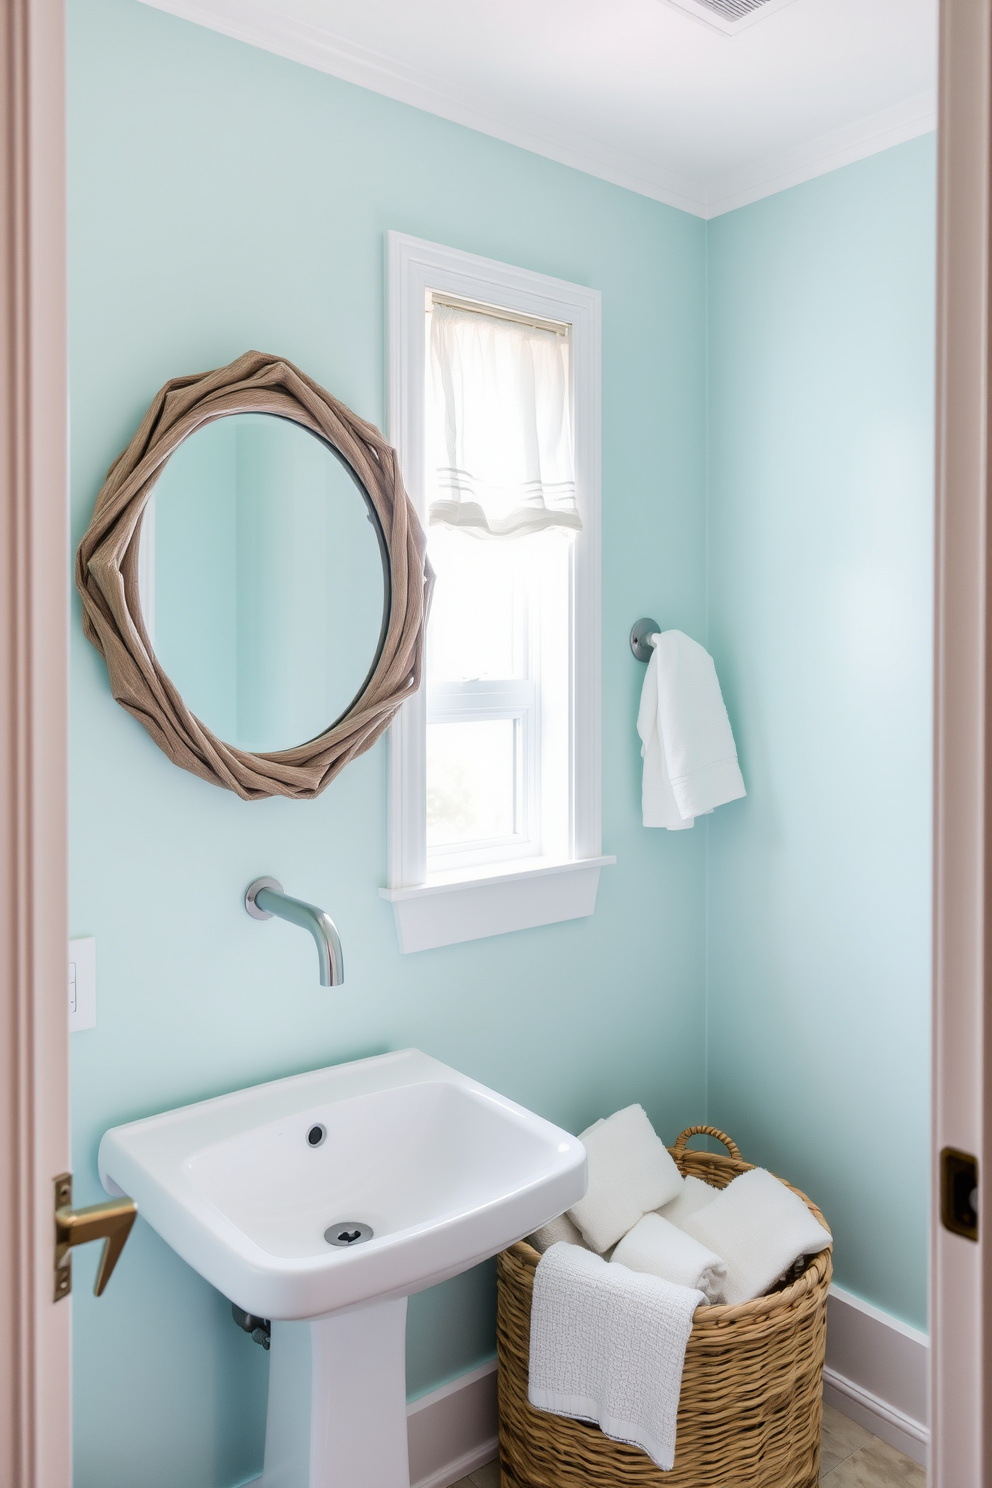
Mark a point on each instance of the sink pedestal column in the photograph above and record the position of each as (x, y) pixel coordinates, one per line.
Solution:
(337, 1401)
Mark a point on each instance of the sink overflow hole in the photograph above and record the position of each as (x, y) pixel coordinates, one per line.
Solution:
(316, 1134)
(347, 1232)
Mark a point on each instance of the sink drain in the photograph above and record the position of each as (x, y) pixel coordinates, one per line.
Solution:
(347, 1232)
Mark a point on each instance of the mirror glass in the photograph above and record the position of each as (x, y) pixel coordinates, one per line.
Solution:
(262, 580)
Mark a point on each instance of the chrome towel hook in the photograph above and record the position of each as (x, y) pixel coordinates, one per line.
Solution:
(639, 642)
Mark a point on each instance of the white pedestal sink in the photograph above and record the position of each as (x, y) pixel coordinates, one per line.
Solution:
(337, 1400)
(321, 1202)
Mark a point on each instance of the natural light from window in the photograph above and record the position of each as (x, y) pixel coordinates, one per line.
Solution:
(501, 520)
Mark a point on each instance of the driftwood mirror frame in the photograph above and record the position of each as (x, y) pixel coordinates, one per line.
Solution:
(107, 578)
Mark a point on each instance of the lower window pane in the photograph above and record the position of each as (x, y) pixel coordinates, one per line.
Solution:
(471, 781)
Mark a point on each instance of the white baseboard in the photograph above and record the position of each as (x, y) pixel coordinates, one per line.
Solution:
(460, 1467)
(876, 1373)
(453, 1430)
(876, 1416)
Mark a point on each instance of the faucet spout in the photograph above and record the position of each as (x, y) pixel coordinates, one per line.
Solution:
(265, 898)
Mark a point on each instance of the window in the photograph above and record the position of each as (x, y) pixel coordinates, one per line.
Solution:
(494, 766)
(501, 513)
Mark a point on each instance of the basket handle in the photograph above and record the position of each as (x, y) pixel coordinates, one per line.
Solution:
(706, 1131)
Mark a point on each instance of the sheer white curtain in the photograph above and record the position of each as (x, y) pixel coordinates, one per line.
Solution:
(500, 451)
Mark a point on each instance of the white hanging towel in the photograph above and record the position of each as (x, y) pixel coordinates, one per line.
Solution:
(658, 805)
(608, 1345)
(690, 759)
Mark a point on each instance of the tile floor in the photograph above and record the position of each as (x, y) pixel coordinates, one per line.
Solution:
(850, 1457)
(483, 1477)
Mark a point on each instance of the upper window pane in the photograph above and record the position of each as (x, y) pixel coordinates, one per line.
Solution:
(478, 613)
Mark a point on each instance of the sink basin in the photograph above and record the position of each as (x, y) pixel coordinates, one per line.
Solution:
(332, 1196)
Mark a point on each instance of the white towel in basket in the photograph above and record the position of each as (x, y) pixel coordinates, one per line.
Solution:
(695, 1195)
(561, 1228)
(759, 1227)
(607, 1345)
(630, 1172)
(656, 1246)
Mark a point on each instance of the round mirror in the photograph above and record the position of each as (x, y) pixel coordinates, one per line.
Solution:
(263, 580)
(258, 591)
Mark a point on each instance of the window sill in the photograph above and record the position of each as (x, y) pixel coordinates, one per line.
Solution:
(465, 905)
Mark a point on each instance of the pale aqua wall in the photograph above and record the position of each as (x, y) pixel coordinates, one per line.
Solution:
(821, 311)
(222, 198)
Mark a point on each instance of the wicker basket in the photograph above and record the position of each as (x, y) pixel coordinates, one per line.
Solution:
(749, 1412)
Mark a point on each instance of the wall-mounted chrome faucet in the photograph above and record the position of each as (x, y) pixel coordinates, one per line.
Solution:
(265, 898)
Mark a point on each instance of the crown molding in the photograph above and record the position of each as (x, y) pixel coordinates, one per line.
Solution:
(264, 24)
(261, 23)
(828, 152)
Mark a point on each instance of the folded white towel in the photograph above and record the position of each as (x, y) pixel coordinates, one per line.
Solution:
(656, 1246)
(630, 1172)
(695, 1195)
(690, 759)
(561, 1228)
(760, 1228)
(607, 1345)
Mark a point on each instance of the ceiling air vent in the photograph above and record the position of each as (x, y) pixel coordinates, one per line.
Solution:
(729, 16)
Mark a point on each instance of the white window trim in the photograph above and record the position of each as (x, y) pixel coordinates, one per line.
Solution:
(444, 908)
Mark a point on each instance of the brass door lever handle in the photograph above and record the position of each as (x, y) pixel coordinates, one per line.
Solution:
(110, 1222)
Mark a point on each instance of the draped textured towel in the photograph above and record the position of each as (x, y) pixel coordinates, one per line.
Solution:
(608, 1345)
(107, 578)
(500, 442)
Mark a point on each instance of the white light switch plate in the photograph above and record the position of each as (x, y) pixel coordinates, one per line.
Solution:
(82, 983)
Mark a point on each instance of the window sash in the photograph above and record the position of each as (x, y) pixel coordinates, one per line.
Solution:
(450, 702)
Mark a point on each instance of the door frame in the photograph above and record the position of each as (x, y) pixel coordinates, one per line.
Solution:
(959, 1311)
(35, 1337)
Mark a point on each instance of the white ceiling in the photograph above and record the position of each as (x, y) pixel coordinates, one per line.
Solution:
(635, 91)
